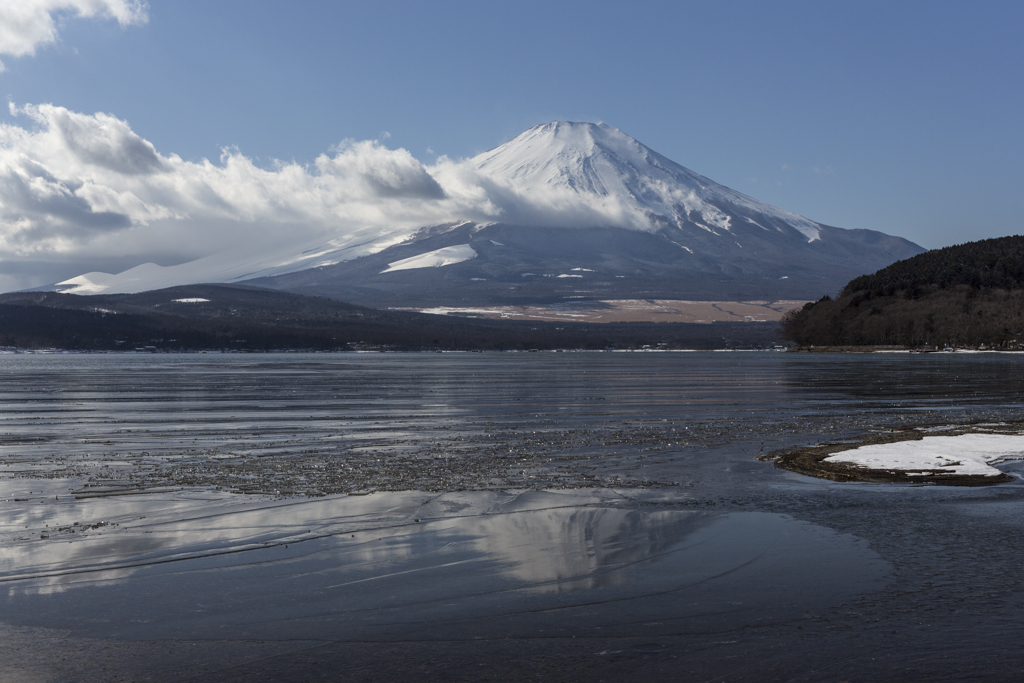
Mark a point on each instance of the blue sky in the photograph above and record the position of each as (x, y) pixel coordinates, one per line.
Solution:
(901, 117)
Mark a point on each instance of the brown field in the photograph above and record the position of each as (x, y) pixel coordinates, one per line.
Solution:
(633, 310)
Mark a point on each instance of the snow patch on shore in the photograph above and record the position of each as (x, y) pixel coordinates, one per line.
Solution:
(972, 454)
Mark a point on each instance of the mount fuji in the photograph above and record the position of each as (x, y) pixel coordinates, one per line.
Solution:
(578, 211)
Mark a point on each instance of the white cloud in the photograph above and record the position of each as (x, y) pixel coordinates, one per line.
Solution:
(87, 190)
(28, 24)
(77, 187)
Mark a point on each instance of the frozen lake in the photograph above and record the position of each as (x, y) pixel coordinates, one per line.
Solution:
(495, 516)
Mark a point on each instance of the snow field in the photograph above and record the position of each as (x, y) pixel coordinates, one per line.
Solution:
(971, 454)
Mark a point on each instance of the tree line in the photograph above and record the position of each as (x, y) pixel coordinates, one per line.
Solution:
(966, 295)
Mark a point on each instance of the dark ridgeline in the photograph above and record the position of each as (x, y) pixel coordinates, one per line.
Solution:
(965, 295)
(254, 319)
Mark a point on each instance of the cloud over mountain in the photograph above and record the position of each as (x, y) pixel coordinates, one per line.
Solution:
(86, 193)
(75, 187)
(87, 184)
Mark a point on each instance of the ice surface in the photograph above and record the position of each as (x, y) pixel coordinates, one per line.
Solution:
(445, 256)
(964, 454)
(404, 565)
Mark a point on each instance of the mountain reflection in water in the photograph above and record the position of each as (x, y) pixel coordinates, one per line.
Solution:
(419, 565)
(561, 550)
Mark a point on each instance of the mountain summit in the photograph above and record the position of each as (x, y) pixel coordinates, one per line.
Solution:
(564, 211)
(601, 161)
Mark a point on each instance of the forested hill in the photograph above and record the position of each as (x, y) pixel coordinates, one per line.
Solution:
(989, 264)
(966, 295)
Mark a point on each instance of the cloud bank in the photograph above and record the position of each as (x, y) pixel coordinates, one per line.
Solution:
(78, 189)
(28, 24)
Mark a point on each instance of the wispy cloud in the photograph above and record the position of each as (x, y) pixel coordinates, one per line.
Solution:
(88, 184)
(87, 189)
(79, 187)
(28, 24)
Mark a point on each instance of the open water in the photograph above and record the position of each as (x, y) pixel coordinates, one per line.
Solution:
(542, 516)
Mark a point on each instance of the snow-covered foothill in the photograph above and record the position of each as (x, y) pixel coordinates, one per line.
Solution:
(438, 258)
(258, 259)
(965, 454)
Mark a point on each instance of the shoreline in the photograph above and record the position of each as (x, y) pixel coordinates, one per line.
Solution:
(811, 460)
(893, 349)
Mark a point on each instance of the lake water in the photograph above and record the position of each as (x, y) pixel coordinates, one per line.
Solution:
(542, 516)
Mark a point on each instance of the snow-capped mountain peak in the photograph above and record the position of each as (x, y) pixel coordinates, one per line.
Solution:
(586, 157)
(601, 161)
(567, 154)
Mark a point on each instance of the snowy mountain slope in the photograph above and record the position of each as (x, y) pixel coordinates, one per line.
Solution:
(605, 163)
(522, 265)
(445, 256)
(243, 263)
(560, 196)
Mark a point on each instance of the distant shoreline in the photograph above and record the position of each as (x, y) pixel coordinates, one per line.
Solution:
(234, 352)
(895, 349)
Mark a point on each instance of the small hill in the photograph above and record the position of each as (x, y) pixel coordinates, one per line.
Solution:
(966, 295)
